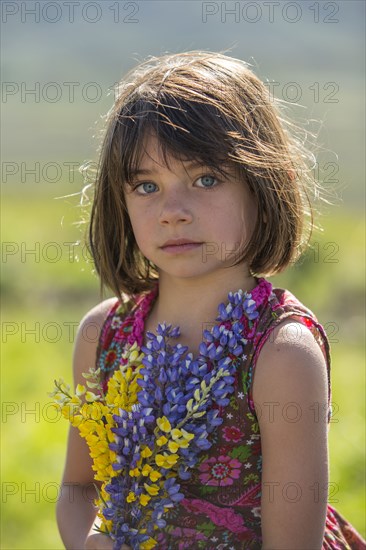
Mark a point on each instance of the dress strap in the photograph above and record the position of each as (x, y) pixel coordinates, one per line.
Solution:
(124, 325)
(115, 328)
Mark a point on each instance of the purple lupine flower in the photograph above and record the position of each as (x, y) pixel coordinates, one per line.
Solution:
(250, 308)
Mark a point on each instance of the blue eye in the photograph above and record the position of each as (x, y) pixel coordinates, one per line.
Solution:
(208, 181)
(146, 188)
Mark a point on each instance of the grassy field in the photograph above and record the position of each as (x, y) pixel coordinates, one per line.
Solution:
(46, 291)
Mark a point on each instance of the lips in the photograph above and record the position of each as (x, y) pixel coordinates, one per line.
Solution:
(177, 246)
(178, 242)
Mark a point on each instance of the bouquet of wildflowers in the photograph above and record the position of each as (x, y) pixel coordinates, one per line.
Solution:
(145, 432)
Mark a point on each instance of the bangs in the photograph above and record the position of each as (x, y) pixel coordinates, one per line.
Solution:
(188, 131)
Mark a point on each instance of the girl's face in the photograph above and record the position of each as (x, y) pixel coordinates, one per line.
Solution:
(187, 220)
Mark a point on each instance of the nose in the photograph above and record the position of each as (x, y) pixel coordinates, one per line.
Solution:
(175, 207)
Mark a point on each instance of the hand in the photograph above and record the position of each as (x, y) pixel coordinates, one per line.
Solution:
(97, 541)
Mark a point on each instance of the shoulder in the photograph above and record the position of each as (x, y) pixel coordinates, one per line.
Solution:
(88, 334)
(98, 314)
(291, 367)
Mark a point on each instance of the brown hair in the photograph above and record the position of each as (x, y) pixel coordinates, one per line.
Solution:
(208, 107)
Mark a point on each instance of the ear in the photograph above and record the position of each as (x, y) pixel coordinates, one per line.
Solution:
(291, 174)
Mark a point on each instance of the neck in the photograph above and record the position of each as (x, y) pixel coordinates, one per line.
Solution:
(190, 303)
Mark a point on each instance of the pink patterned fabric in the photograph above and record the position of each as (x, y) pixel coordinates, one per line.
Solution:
(222, 504)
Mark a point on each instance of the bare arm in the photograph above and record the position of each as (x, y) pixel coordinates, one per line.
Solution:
(290, 377)
(76, 512)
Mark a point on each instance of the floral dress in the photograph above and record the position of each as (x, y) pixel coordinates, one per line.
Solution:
(222, 504)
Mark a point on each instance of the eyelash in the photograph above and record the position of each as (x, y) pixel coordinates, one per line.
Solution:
(211, 175)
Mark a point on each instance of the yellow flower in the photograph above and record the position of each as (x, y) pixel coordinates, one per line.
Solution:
(146, 470)
(166, 461)
(98, 448)
(128, 374)
(188, 436)
(96, 411)
(135, 472)
(175, 433)
(70, 408)
(153, 490)
(154, 475)
(76, 420)
(148, 544)
(134, 355)
(92, 440)
(106, 525)
(101, 461)
(110, 435)
(117, 377)
(172, 459)
(173, 446)
(131, 497)
(87, 427)
(164, 424)
(123, 388)
(59, 397)
(100, 430)
(181, 439)
(146, 452)
(90, 396)
(67, 411)
(144, 500)
(161, 441)
(75, 400)
(80, 390)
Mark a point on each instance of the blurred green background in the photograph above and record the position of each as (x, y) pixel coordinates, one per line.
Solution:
(57, 68)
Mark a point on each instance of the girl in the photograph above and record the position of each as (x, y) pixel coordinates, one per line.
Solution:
(202, 191)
